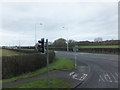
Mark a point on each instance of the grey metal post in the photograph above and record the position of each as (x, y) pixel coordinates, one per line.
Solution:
(75, 59)
(47, 57)
(35, 35)
(75, 49)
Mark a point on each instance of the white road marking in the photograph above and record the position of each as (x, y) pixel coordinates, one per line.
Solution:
(107, 77)
(74, 76)
(116, 80)
(116, 74)
(83, 77)
(71, 73)
(102, 78)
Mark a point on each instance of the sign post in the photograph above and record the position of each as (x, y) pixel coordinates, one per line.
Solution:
(75, 49)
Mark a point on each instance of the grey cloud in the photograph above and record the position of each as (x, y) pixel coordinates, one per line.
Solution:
(82, 21)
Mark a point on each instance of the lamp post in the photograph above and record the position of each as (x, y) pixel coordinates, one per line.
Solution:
(35, 35)
(67, 42)
(35, 32)
(67, 46)
(19, 42)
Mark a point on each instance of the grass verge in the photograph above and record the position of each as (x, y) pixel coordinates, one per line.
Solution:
(58, 64)
(54, 83)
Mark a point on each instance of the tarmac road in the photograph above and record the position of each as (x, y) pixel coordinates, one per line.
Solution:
(103, 69)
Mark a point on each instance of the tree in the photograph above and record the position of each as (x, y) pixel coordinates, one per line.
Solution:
(98, 39)
(60, 42)
(71, 43)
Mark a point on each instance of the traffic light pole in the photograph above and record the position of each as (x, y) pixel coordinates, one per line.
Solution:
(41, 48)
(47, 57)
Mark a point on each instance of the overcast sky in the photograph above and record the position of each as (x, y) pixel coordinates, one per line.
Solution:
(81, 21)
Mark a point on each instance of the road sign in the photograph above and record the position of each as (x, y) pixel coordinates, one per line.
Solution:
(75, 48)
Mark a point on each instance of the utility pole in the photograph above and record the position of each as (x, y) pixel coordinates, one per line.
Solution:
(19, 41)
(35, 35)
(36, 31)
(67, 42)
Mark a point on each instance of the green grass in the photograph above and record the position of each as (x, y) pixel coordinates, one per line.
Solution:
(54, 83)
(4, 52)
(59, 64)
(62, 64)
(100, 46)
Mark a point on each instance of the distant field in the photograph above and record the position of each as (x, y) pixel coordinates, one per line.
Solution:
(4, 52)
(28, 49)
(102, 46)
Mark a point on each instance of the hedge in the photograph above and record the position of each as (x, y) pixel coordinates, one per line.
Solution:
(100, 50)
(95, 50)
(16, 65)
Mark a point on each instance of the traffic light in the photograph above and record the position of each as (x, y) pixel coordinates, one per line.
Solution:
(41, 47)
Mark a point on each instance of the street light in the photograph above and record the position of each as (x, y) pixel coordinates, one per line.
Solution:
(67, 42)
(19, 41)
(35, 33)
